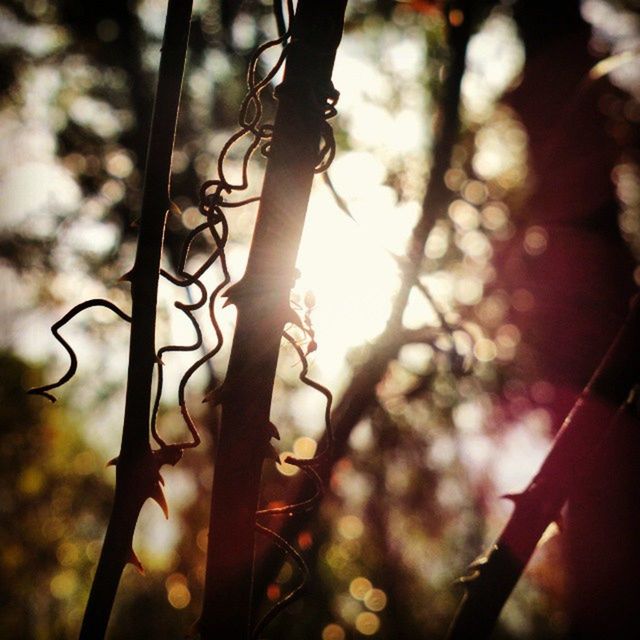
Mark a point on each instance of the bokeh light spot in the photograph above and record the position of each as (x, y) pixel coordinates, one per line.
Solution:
(179, 596)
(456, 17)
(333, 632)
(85, 463)
(273, 592)
(119, 164)
(475, 192)
(12, 556)
(375, 600)
(304, 447)
(178, 593)
(485, 350)
(468, 290)
(522, 300)
(535, 240)
(359, 587)
(367, 623)
(454, 178)
(542, 392)
(350, 527)
(63, 584)
(92, 550)
(284, 467)
(30, 481)
(437, 243)
(285, 574)
(495, 216)
(305, 540)
(507, 340)
(67, 553)
(464, 215)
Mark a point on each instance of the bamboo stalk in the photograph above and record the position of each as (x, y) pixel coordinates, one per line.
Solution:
(137, 476)
(493, 576)
(262, 302)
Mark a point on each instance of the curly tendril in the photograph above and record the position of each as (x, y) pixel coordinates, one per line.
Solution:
(55, 330)
(292, 596)
(212, 202)
(307, 467)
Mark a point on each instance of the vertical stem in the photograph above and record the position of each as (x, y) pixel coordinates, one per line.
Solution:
(262, 301)
(137, 471)
(361, 392)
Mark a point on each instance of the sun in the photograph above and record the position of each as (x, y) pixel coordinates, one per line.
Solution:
(349, 265)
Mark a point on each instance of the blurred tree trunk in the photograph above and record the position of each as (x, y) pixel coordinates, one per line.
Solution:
(579, 287)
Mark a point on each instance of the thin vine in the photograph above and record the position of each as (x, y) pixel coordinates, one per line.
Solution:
(73, 364)
(212, 202)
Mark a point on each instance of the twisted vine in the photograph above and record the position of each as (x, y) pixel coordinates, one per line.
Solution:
(307, 466)
(212, 202)
(73, 364)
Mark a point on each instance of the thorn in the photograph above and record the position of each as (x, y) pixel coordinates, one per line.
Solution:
(513, 497)
(291, 316)
(126, 277)
(401, 261)
(134, 560)
(273, 431)
(480, 561)
(474, 570)
(469, 578)
(113, 462)
(311, 347)
(216, 396)
(158, 496)
(233, 293)
(168, 454)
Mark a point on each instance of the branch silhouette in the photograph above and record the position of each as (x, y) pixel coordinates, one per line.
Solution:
(360, 396)
(607, 397)
(137, 466)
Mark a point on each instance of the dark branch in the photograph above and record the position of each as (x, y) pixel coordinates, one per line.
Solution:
(137, 476)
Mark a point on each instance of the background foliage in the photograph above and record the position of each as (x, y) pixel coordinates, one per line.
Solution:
(456, 423)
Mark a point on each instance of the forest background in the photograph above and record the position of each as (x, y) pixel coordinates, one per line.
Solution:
(526, 276)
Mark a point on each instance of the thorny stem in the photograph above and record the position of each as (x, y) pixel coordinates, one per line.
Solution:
(595, 414)
(361, 393)
(137, 475)
(262, 302)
